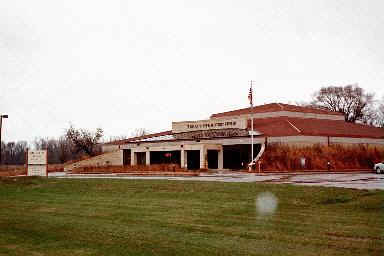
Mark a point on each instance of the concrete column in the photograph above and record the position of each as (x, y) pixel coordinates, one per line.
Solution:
(220, 164)
(185, 159)
(182, 158)
(133, 158)
(121, 157)
(203, 158)
(148, 158)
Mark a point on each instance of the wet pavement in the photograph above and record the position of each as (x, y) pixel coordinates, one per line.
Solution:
(345, 180)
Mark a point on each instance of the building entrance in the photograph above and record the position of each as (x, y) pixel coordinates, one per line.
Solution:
(165, 157)
(193, 159)
(213, 159)
(126, 157)
(238, 156)
(140, 158)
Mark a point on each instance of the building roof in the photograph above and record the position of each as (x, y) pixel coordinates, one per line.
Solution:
(283, 125)
(275, 107)
(288, 126)
(166, 135)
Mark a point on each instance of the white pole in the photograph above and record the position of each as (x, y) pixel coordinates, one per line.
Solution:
(252, 125)
(251, 101)
(1, 123)
(252, 134)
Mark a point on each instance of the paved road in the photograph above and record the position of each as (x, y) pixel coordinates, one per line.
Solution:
(345, 180)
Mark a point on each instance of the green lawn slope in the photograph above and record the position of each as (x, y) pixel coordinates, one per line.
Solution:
(140, 217)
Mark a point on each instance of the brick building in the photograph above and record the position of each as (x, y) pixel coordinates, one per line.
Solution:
(224, 140)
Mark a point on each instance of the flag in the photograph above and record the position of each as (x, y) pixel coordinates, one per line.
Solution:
(250, 96)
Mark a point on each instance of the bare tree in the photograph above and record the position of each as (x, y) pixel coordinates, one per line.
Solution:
(381, 115)
(65, 149)
(84, 140)
(350, 100)
(14, 152)
(139, 132)
(48, 144)
(59, 150)
(117, 138)
(378, 118)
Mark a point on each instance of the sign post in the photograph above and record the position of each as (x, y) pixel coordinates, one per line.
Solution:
(37, 163)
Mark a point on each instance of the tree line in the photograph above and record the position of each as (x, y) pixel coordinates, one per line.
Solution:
(73, 145)
(59, 150)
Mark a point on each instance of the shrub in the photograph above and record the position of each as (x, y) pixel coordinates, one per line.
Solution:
(283, 157)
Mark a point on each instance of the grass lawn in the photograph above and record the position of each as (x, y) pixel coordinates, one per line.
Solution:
(141, 217)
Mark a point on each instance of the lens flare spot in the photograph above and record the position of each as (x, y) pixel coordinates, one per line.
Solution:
(266, 203)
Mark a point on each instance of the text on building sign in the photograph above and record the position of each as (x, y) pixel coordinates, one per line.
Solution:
(211, 125)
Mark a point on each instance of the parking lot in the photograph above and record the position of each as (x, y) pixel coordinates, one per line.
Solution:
(345, 180)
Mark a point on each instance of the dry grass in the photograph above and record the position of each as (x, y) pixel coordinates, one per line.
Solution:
(12, 170)
(55, 167)
(15, 170)
(282, 157)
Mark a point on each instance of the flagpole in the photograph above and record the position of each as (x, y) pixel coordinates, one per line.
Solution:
(250, 97)
(252, 125)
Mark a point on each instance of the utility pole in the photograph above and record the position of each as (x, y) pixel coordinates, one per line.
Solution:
(1, 123)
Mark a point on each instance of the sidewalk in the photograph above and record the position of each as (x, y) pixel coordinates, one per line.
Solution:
(356, 180)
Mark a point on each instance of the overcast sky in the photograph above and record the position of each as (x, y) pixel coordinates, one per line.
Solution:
(121, 65)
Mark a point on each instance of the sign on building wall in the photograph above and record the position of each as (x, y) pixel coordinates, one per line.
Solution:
(211, 124)
(224, 133)
(37, 163)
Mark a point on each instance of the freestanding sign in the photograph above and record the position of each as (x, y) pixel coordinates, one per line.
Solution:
(37, 163)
